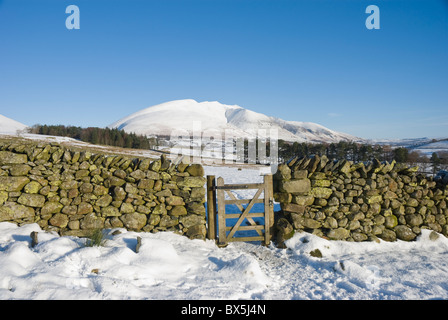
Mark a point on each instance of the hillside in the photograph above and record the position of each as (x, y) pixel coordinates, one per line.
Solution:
(10, 126)
(212, 117)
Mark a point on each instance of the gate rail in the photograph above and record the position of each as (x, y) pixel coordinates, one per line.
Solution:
(216, 190)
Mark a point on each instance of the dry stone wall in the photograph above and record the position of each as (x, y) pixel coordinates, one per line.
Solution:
(342, 200)
(76, 192)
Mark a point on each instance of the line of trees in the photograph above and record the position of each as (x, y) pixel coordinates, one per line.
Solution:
(439, 160)
(104, 136)
(352, 151)
(357, 152)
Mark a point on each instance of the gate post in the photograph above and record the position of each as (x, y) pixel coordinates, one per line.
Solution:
(222, 235)
(211, 207)
(268, 208)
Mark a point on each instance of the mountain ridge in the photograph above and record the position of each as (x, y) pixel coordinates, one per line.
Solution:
(212, 116)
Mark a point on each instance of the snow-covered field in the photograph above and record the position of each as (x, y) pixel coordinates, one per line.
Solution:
(428, 149)
(172, 267)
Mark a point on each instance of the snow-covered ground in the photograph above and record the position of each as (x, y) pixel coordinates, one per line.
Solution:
(172, 267)
(428, 149)
(10, 126)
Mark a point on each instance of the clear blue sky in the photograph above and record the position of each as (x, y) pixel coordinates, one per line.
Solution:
(298, 60)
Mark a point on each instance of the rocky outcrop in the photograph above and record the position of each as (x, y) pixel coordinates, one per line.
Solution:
(74, 192)
(342, 200)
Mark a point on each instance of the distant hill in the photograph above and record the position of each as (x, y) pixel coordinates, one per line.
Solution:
(10, 126)
(163, 119)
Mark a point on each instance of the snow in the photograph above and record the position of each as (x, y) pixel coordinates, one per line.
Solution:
(10, 126)
(430, 148)
(168, 266)
(426, 146)
(213, 118)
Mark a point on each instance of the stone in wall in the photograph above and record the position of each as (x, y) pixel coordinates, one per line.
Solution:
(74, 192)
(360, 201)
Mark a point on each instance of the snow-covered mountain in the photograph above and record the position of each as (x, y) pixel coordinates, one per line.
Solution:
(10, 126)
(210, 117)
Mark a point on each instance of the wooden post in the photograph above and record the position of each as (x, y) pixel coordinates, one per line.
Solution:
(268, 208)
(139, 244)
(34, 240)
(221, 214)
(211, 207)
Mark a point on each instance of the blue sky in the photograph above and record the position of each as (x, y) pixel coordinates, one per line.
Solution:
(311, 60)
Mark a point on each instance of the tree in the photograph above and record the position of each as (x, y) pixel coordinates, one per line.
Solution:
(435, 161)
(365, 152)
(128, 141)
(401, 154)
(107, 136)
(415, 157)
